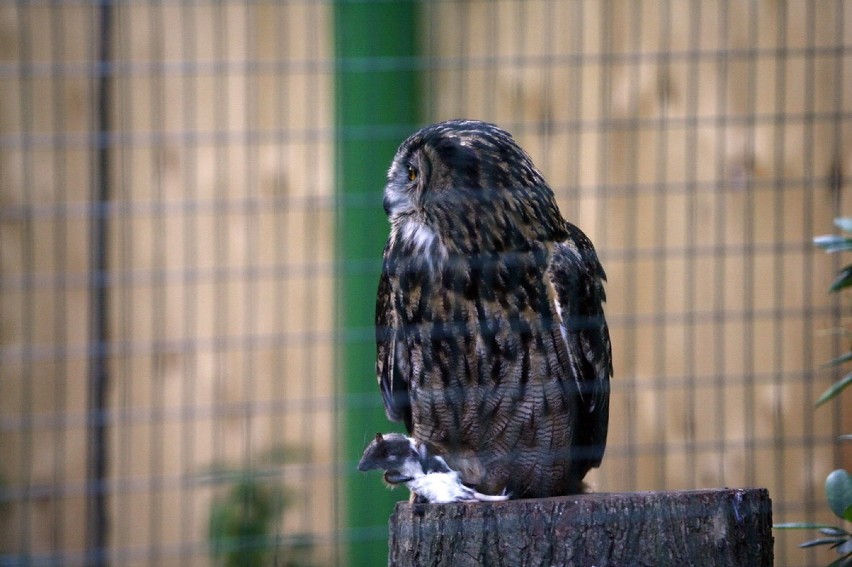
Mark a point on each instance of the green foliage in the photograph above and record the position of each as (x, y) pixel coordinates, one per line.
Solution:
(835, 243)
(241, 522)
(838, 492)
(834, 389)
(838, 484)
(243, 519)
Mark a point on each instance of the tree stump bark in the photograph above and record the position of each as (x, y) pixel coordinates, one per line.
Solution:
(701, 527)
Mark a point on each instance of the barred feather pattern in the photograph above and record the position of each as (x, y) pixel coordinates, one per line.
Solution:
(492, 345)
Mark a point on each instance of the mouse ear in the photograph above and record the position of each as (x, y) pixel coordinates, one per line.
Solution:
(379, 438)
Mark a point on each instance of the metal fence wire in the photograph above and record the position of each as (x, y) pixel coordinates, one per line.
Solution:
(180, 303)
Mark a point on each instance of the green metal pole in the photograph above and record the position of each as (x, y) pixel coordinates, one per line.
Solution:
(376, 108)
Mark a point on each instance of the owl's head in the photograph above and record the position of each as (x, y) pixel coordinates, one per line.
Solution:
(469, 185)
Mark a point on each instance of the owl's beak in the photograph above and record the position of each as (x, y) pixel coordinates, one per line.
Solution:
(386, 203)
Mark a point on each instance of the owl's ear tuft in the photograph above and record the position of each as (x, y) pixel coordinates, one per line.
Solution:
(379, 438)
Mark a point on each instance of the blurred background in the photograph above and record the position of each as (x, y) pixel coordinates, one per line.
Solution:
(191, 232)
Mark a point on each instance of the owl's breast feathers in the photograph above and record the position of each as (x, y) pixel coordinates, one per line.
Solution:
(502, 361)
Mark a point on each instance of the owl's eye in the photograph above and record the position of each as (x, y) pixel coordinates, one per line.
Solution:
(412, 173)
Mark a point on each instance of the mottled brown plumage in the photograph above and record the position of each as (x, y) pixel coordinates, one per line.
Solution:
(492, 343)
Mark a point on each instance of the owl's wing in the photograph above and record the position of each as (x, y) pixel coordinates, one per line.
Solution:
(578, 278)
(393, 384)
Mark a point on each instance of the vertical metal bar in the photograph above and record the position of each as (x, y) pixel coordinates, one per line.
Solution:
(96, 505)
(190, 326)
(690, 212)
(27, 455)
(462, 74)
(127, 445)
(376, 107)
(631, 292)
(837, 185)
(250, 225)
(158, 243)
(780, 212)
(223, 221)
(61, 237)
(311, 236)
(720, 242)
(809, 319)
(750, 218)
(281, 391)
(660, 199)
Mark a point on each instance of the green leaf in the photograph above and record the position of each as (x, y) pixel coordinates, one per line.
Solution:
(843, 223)
(838, 492)
(843, 279)
(846, 437)
(834, 389)
(800, 526)
(822, 541)
(834, 532)
(839, 360)
(845, 547)
(833, 243)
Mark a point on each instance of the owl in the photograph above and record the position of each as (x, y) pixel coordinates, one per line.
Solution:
(492, 346)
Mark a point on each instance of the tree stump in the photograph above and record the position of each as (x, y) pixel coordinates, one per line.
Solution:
(700, 527)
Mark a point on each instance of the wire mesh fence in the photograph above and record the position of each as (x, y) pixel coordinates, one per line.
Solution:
(170, 272)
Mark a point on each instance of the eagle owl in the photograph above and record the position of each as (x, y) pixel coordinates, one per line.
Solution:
(492, 345)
